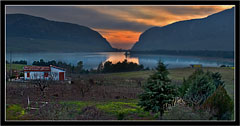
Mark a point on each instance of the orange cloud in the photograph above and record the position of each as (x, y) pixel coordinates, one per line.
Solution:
(164, 15)
(119, 36)
(159, 15)
(152, 16)
(116, 36)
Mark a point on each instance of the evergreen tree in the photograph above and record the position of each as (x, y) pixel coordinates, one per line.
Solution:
(188, 82)
(158, 91)
(220, 104)
(217, 77)
(199, 86)
(79, 67)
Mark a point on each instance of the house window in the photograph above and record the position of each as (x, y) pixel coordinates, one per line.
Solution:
(28, 74)
(45, 74)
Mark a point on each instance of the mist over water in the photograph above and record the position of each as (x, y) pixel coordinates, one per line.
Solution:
(93, 59)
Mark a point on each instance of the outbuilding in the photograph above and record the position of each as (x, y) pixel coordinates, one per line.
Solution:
(44, 72)
(196, 65)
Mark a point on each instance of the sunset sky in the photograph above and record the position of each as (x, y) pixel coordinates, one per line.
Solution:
(120, 25)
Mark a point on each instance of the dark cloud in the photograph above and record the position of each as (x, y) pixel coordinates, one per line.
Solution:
(82, 16)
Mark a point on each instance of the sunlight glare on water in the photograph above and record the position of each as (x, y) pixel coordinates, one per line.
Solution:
(116, 57)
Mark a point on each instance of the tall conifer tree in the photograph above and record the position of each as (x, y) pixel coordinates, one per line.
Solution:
(158, 91)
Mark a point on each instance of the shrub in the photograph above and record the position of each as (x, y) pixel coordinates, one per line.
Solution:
(183, 88)
(180, 112)
(158, 91)
(14, 112)
(199, 86)
(187, 83)
(21, 75)
(223, 66)
(217, 78)
(219, 104)
(56, 111)
(120, 116)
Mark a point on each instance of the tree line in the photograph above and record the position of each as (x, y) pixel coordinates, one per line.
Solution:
(18, 62)
(107, 67)
(202, 53)
(125, 66)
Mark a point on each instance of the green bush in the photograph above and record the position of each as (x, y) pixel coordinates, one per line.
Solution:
(219, 104)
(183, 88)
(187, 83)
(21, 75)
(14, 112)
(216, 77)
(120, 116)
(199, 86)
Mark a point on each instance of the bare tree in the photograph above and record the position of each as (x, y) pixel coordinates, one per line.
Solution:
(41, 82)
(84, 87)
(42, 85)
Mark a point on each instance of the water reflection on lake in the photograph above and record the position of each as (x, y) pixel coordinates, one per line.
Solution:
(119, 56)
(93, 59)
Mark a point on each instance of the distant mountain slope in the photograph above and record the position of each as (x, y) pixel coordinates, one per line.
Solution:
(27, 33)
(215, 32)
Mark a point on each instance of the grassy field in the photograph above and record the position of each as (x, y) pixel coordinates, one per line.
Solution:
(113, 96)
(18, 67)
(177, 75)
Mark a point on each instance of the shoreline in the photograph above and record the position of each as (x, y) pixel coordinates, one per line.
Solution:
(189, 56)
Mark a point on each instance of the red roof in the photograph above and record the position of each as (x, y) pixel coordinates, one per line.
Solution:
(57, 67)
(37, 68)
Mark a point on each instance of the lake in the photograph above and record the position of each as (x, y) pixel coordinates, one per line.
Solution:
(93, 59)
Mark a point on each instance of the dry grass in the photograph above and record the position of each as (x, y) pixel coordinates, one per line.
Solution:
(104, 87)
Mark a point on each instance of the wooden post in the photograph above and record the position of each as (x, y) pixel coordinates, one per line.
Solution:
(28, 102)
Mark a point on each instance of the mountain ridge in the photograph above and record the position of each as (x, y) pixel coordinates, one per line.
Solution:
(214, 32)
(29, 30)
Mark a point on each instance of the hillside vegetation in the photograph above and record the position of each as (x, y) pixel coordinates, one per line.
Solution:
(26, 33)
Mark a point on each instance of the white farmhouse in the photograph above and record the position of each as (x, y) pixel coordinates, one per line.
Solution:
(44, 72)
(57, 73)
